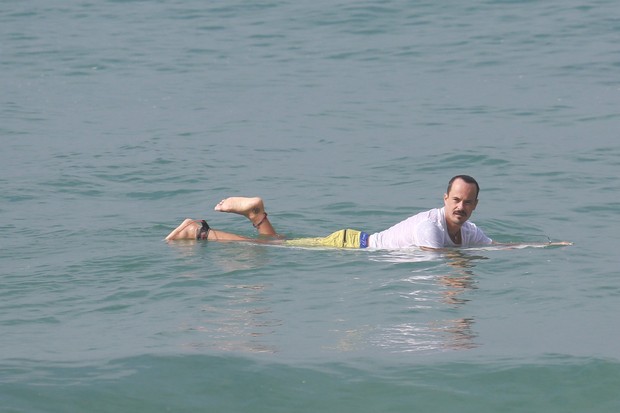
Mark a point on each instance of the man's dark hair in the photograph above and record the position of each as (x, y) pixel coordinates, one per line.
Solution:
(467, 179)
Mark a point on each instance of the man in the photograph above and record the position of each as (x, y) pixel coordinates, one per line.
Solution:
(436, 228)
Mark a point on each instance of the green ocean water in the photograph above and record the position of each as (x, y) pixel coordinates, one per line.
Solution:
(121, 118)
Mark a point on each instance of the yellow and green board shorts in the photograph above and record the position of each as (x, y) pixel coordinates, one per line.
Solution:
(345, 238)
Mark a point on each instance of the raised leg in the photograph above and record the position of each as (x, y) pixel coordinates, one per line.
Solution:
(251, 208)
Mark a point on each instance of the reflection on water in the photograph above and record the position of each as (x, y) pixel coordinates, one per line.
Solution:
(407, 255)
(245, 256)
(461, 277)
(423, 311)
(450, 334)
(435, 291)
(241, 318)
(240, 322)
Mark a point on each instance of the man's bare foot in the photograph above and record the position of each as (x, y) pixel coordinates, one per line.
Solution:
(252, 208)
(187, 230)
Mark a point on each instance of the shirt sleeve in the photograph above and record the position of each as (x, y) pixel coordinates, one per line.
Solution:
(477, 236)
(428, 234)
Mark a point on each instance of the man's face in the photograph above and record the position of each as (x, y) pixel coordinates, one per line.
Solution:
(460, 202)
